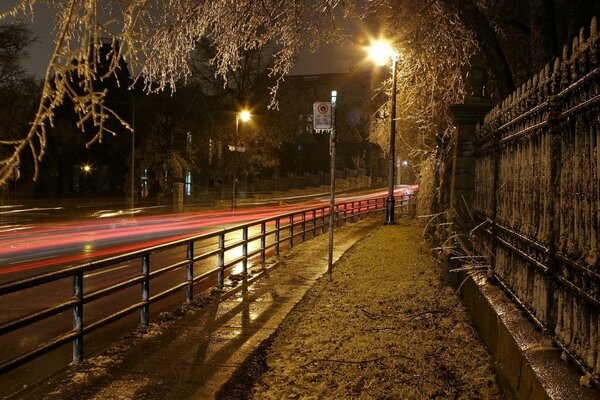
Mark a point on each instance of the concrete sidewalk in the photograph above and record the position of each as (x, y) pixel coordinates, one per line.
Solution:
(195, 355)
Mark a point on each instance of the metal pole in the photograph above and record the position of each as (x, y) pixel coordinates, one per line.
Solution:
(237, 123)
(263, 241)
(145, 310)
(189, 293)
(78, 318)
(389, 210)
(245, 250)
(303, 226)
(332, 140)
(277, 235)
(221, 261)
(291, 231)
(132, 201)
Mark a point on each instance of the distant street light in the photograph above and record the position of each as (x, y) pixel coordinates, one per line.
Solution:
(401, 166)
(381, 52)
(86, 169)
(244, 116)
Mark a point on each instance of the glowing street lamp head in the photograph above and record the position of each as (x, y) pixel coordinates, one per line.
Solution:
(245, 115)
(381, 51)
(86, 168)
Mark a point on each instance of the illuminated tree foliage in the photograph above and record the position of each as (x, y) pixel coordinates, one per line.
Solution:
(429, 74)
(157, 38)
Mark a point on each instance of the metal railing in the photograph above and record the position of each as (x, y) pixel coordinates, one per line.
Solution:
(206, 256)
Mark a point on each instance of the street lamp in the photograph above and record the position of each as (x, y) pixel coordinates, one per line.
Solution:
(244, 116)
(381, 52)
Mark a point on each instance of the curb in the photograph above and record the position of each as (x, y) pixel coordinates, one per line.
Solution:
(528, 366)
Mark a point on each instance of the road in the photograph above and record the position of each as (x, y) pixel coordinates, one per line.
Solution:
(29, 248)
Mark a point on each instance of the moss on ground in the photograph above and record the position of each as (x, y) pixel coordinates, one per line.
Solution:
(386, 326)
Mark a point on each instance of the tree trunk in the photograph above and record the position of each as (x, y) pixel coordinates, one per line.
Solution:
(489, 44)
(543, 33)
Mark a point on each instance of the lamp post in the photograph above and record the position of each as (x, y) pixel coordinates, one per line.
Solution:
(244, 116)
(132, 172)
(380, 52)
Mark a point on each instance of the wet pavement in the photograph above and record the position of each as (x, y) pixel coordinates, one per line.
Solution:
(194, 356)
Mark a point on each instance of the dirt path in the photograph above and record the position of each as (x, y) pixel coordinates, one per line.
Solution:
(385, 327)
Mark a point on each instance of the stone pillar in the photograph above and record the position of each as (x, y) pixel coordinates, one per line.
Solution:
(466, 116)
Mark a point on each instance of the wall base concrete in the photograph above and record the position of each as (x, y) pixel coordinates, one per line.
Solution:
(528, 366)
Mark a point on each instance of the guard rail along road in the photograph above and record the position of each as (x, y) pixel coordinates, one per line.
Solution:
(200, 262)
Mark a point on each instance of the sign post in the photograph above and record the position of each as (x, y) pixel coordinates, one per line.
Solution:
(324, 120)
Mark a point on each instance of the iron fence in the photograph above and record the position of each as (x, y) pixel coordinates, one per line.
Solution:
(204, 257)
(537, 192)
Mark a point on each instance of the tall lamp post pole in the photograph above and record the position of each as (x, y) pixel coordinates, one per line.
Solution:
(381, 51)
(235, 135)
(390, 201)
(132, 172)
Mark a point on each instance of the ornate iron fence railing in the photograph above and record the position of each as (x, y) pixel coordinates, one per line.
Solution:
(537, 193)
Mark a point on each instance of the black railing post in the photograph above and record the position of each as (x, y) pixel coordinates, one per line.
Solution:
(221, 261)
(322, 220)
(291, 231)
(78, 318)
(314, 215)
(303, 226)
(245, 250)
(189, 291)
(145, 311)
(263, 242)
(277, 235)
